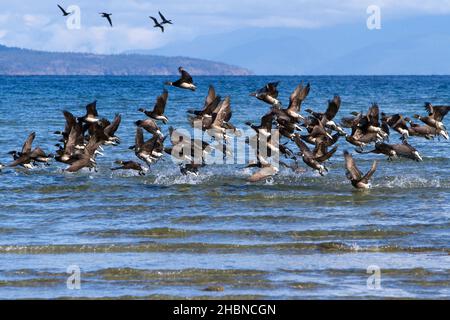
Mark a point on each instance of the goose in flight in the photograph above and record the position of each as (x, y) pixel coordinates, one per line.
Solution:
(64, 12)
(107, 16)
(159, 108)
(268, 94)
(436, 115)
(157, 24)
(356, 177)
(164, 20)
(314, 159)
(185, 81)
(129, 165)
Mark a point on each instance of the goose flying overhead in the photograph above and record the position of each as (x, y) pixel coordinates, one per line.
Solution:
(185, 81)
(356, 177)
(64, 12)
(107, 16)
(159, 108)
(164, 20)
(157, 24)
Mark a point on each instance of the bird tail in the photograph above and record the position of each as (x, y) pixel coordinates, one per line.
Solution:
(248, 123)
(141, 110)
(168, 83)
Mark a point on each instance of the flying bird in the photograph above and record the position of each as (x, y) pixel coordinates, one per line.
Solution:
(164, 20)
(157, 24)
(64, 12)
(185, 82)
(107, 16)
(355, 175)
(158, 109)
(129, 165)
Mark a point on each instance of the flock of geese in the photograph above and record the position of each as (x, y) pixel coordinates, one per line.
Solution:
(84, 138)
(107, 16)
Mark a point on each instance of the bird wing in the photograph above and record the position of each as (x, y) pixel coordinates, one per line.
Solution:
(212, 106)
(327, 155)
(91, 109)
(439, 112)
(210, 97)
(28, 143)
(333, 107)
(109, 20)
(369, 174)
(266, 121)
(154, 20)
(38, 152)
(78, 165)
(353, 172)
(185, 76)
(139, 139)
(162, 17)
(374, 115)
(271, 89)
(303, 147)
(298, 96)
(111, 129)
(71, 121)
(161, 102)
(62, 9)
(72, 139)
(224, 111)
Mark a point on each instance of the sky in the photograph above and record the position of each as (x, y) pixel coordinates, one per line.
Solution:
(39, 24)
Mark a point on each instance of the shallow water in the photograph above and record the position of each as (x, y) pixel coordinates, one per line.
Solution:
(166, 235)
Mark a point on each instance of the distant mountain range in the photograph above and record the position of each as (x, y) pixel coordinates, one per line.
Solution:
(416, 45)
(15, 61)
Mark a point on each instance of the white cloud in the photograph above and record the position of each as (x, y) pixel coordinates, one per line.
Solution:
(40, 25)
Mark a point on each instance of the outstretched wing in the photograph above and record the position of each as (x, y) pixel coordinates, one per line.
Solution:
(333, 108)
(374, 115)
(62, 9)
(437, 112)
(210, 97)
(327, 155)
(162, 17)
(298, 96)
(91, 108)
(223, 113)
(28, 143)
(139, 139)
(353, 173)
(303, 147)
(161, 102)
(369, 174)
(185, 76)
(112, 128)
(109, 20)
(154, 20)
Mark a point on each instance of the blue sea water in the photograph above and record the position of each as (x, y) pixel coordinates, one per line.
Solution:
(216, 235)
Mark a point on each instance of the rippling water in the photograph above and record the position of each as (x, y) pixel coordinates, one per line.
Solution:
(215, 235)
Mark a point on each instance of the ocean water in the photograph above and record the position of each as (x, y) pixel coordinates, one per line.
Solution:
(296, 236)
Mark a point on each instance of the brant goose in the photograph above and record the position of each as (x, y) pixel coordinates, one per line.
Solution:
(355, 175)
(185, 82)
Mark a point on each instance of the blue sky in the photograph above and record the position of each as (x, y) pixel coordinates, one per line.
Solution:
(38, 24)
(245, 32)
